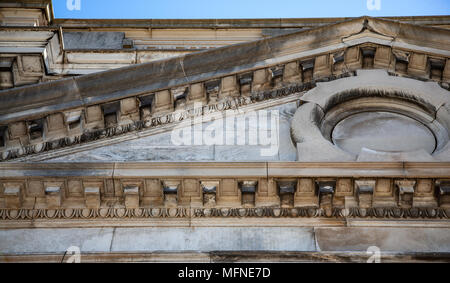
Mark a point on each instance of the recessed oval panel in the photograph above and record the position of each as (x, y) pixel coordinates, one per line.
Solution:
(382, 131)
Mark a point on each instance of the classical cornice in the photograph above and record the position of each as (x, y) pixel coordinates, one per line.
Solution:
(435, 21)
(220, 79)
(207, 65)
(172, 193)
(226, 169)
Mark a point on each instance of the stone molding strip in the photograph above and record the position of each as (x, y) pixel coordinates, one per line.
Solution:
(259, 212)
(227, 257)
(227, 169)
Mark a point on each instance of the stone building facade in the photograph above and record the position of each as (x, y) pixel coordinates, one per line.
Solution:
(223, 140)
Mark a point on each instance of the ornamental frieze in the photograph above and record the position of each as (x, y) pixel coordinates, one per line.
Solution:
(261, 212)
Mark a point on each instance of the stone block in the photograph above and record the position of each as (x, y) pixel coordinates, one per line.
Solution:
(383, 57)
(92, 197)
(94, 117)
(424, 195)
(17, 130)
(31, 65)
(13, 195)
(128, 106)
(163, 101)
(35, 188)
(353, 58)
(267, 195)
(53, 195)
(261, 80)
(229, 87)
(387, 239)
(131, 194)
(93, 40)
(6, 80)
(75, 188)
(228, 193)
(197, 93)
(306, 194)
(153, 193)
(191, 193)
(55, 124)
(292, 72)
(322, 66)
(418, 65)
(383, 195)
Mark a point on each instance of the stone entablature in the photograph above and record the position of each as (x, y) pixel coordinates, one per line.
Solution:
(140, 190)
(141, 42)
(96, 121)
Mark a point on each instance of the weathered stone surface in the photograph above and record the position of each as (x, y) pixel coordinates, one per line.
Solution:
(232, 147)
(93, 40)
(386, 239)
(20, 241)
(204, 239)
(352, 114)
(431, 92)
(149, 77)
(214, 238)
(156, 239)
(382, 131)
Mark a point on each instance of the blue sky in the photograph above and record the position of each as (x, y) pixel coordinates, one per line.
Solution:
(195, 9)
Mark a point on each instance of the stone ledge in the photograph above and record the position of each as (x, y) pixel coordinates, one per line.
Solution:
(232, 257)
(227, 244)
